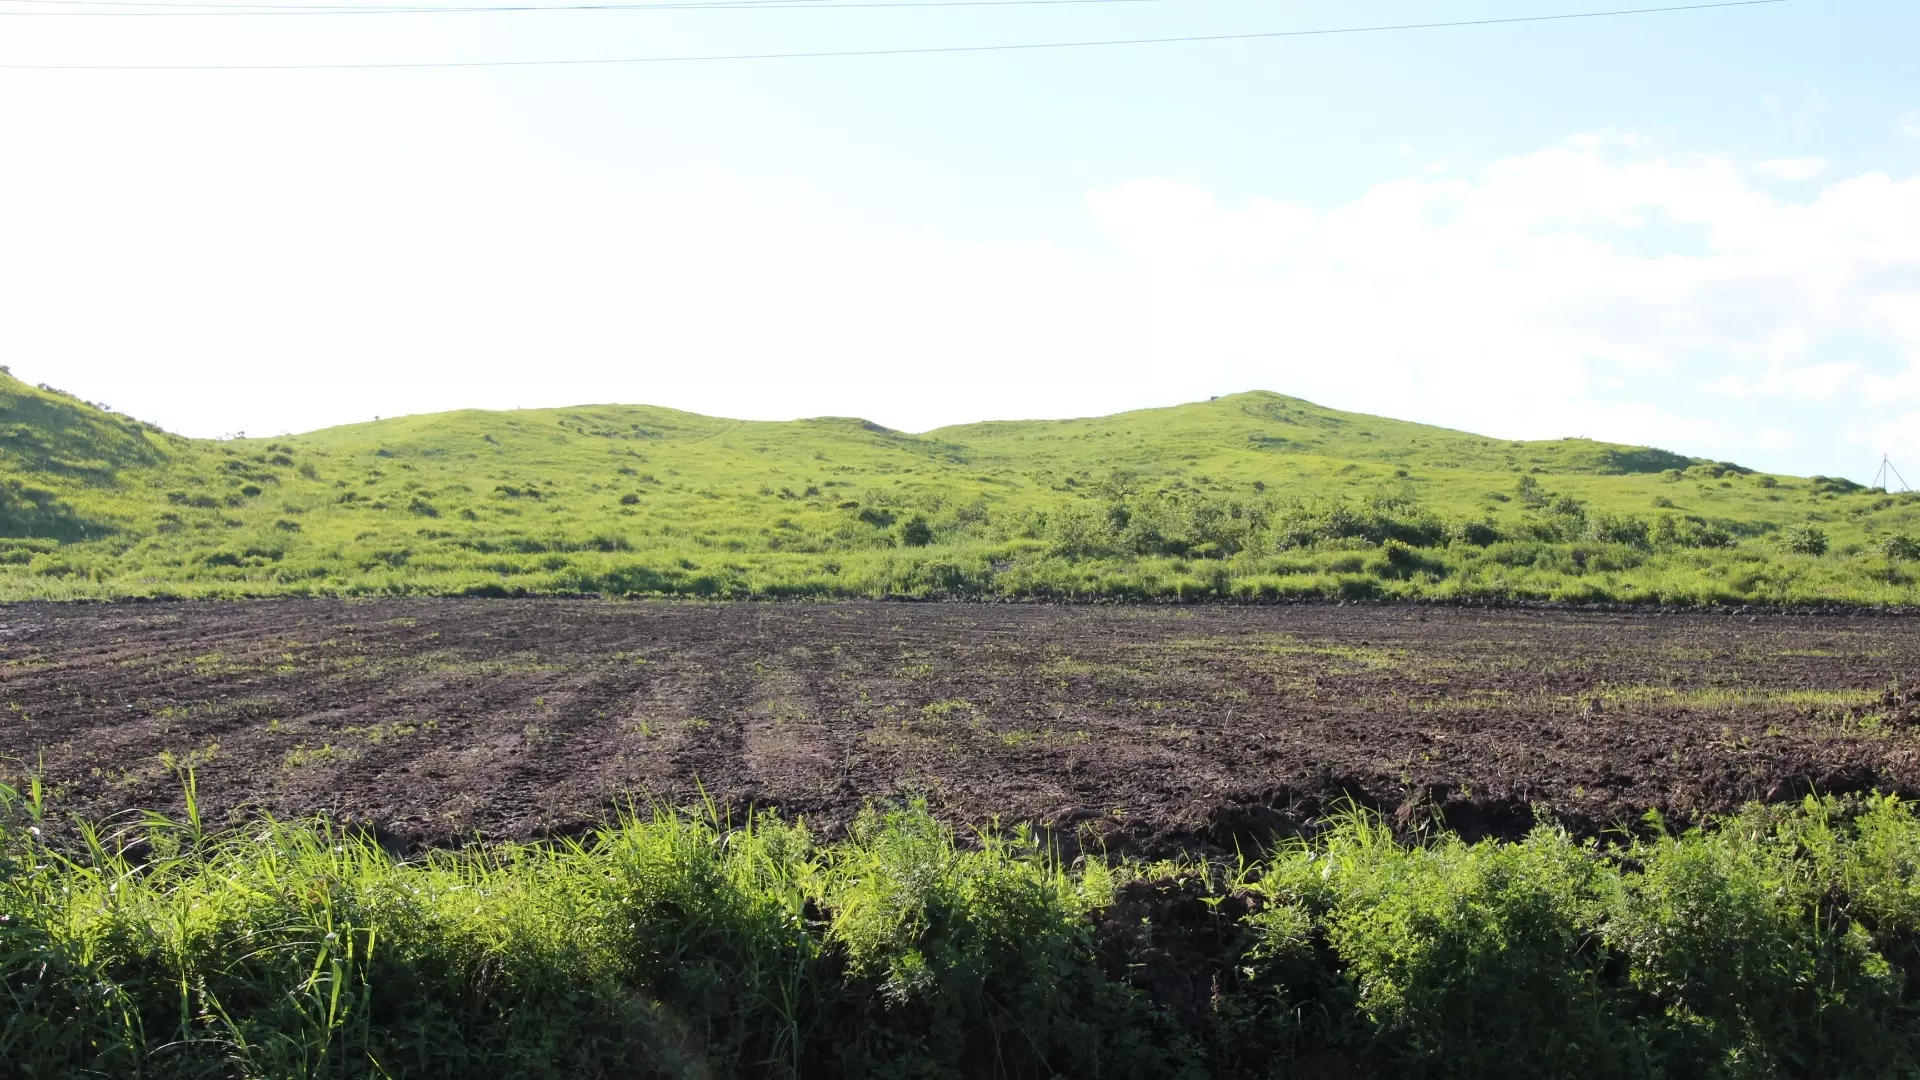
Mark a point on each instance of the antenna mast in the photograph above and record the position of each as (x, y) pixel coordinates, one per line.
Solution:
(1888, 472)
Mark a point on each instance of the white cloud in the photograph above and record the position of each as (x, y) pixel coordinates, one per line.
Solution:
(1520, 300)
(1793, 169)
(1594, 287)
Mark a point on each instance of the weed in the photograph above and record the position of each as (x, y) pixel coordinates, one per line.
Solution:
(302, 756)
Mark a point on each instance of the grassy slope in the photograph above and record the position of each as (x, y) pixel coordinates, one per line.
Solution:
(632, 499)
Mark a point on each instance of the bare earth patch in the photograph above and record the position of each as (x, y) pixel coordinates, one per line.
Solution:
(1141, 728)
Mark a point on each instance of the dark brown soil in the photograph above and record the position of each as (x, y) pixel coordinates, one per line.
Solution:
(1146, 729)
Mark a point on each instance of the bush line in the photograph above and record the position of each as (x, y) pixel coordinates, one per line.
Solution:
(1780, 942)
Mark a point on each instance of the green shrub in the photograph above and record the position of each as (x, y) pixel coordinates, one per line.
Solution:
(1836, 485)
(1401, 561)
(1079, 531)
(1476, 533)
(1619, 529)
(1900, 546)
(1806, 539)
(916, 531)
(1691, 532)
(1468, 960)
(1314, 523)
(1739, 968)
(1778, 943)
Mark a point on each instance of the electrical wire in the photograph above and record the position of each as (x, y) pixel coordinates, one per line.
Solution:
(379, 7)
(244, 10)
(923, 51)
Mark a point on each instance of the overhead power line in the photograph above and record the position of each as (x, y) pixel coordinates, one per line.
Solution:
(246, 10)
(922, 51)
(378, 7)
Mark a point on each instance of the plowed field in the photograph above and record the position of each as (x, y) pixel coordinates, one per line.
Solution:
(1142, 728)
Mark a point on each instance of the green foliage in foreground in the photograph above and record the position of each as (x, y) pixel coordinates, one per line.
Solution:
(1781, 943)
(1252, 496)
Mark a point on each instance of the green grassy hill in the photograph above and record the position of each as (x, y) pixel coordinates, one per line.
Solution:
(1250, 495)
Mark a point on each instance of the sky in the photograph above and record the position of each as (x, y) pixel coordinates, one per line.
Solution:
(1694, 229)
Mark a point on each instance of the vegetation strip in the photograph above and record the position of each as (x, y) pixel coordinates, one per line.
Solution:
(1779, 943)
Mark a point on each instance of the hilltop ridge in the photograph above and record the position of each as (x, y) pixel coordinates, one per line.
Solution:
(1250, 494)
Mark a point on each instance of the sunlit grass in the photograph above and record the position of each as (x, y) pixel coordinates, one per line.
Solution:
(1161, 504)
(1777, 943)
(1642, 698)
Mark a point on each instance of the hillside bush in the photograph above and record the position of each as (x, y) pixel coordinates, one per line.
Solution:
(1475, 533)
(1620, 529)
(1691, 532)
(1307, 523)
(1900, 546)
(1805, 540)
(916, 531)
(1402, 561)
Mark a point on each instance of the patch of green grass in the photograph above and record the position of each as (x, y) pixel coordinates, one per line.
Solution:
(1780, 942)
(304, 756)
(1640, 697)
(1249, 496)
(1723, 699)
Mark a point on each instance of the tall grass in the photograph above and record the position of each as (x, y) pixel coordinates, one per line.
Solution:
(1779, 943)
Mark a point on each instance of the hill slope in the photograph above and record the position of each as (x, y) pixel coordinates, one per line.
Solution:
(1252, 494)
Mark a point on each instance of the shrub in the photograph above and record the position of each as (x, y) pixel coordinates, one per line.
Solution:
(1476, 533)
(1080, 531)
(197, 500)
(1306, 524)
(1900, 546)
(916, 532)
(1609, 529)
(1469, 960)
(1835, 485)
(1692, 532)
(1402, 561)
(1806, 539)
(1743, 966)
